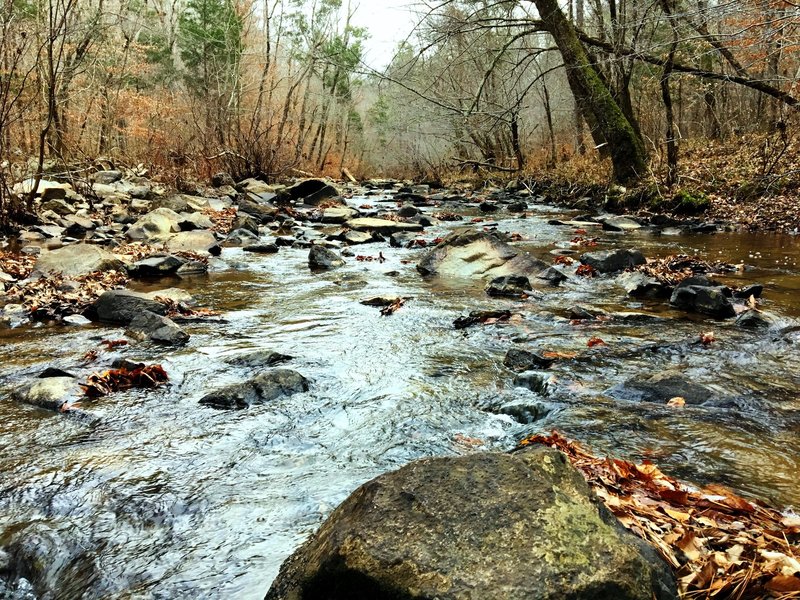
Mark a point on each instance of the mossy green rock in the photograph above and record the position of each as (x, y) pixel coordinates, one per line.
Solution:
(480, 527)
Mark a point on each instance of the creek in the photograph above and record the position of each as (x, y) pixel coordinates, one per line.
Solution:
(147, 494)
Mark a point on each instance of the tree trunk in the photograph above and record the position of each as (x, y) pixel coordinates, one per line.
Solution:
(628, 156)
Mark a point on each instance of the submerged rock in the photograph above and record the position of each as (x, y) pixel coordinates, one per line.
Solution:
(258, 359)
(509, 286)
(270, 385)
(485, 526)
(158, 328)
(662, 387)
(611, 261)
(518, 360)
(471, 253)
(382, 226)
(51, 393)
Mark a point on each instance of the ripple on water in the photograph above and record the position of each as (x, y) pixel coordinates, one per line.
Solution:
(170, 499)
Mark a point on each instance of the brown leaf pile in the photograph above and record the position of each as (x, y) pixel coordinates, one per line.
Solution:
(115, 380)
(19, 266)
(52, 297)
(222, 219)
(181, 309)
(673, 269)
(719, 544)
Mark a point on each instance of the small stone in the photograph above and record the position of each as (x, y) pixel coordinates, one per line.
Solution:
(261, 248)
(519, 360)
(323, 259)
(159, 329)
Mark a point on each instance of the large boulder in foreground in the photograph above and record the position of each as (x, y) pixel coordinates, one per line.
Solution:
(481, 527)
(471, 253)
(77, 259)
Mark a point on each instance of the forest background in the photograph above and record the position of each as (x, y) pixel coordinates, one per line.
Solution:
(677, 99)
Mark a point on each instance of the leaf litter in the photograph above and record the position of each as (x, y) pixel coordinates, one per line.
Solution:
(719, 544)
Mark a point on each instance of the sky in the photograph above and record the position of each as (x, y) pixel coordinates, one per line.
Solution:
(388, 22)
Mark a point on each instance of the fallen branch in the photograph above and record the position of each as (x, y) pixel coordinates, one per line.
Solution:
(465, 162)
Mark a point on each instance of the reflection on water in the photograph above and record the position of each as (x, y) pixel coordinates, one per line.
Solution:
(148, 494)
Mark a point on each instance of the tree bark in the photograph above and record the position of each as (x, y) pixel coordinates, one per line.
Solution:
(628, 156)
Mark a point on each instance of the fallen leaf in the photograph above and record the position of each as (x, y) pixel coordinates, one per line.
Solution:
(676, 402)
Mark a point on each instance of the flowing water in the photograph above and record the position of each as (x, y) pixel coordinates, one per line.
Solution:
(147, 494)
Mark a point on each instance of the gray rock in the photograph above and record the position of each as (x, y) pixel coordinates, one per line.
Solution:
(407, 211)
(705, 299)
(194, 221)
(241, 237)
(60, 207)
(246, 222)
(323, 259)
(753, 319)
(261, 212)
(192, 267)
(258, 359)
(535, 381)
(262, 248)
(519, 360)
(50, 393)
(382, 226)
(358, 237)
(157, 328)
(488, 207)
(222, 179)
(310, 191)
(157, 265)
(639, 285)
(471, 253)
(552, 276)
(267, 386)
(200, 242)
(155, 226)
(509, 286)
(255, 186)
(76, 260)
(401, 240)
(621, 224)
(140, 192)
(106, 177)
(517, 207)
(611, 261)
(662, 387)
(122, 306)
(77, 320)
(338, 214)
(485, 527)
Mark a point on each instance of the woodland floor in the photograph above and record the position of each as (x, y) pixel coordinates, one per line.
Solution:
(752, 180)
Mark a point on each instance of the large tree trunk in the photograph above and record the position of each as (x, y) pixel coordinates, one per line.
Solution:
(628, 156)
